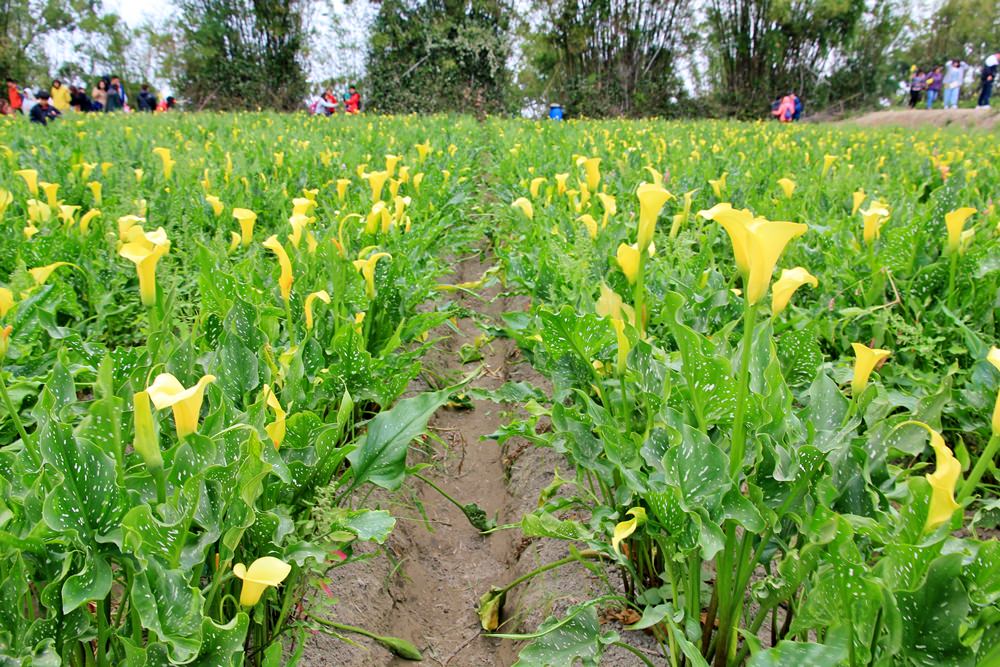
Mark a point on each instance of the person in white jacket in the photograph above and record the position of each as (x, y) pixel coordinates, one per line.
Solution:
(954, 75)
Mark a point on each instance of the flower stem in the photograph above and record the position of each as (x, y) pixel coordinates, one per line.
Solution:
(29, 444)
(738, 446)
(972, 481)
(640, 296)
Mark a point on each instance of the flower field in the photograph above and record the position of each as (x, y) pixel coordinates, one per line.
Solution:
(761, 358)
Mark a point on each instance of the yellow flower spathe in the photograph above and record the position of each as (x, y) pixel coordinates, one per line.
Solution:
(943, 480)
(524, 205)
(651, 200)
(561, 183)
(857, 199)
(628, 259)
(376, 180)
(95, 191)
(874, 217)
(167, 160)
(718, 185)
(367, 269)
(262, 573)
(342, 185)
(6, 301)
(217, 206)
(285, 279)
(828, 161)
(681, 219)
(955, 221)
(247, 220)
(42, 273)
(789, 281)
(591, 224)
(536, 183)
(592, 168)
(625, 528)
(787, 186)
(994, 358)
(30, 177)
(323, 296)
(167, 392)
(865, 361)
(87, 218)
(145, 442)
(276, 429)
(145, 250)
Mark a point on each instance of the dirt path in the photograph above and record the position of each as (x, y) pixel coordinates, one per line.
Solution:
(984, 119)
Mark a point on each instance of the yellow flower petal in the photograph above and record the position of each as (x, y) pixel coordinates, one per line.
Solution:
(524, 205)
(789, 281)
(625, 528)
(323, 296)
(263, 572)
(167, 392)
(865, 360)
(954, 221)
(628, 259)
(286, 277)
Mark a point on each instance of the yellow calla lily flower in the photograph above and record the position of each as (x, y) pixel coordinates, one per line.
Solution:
(592, 168)
(625, 528)
(943, 480)
(5, 340)
(874, 217)
(86, 169)
(276, 429)
(757, 244)
(342, 185)
(525, 207)
(993, 357)
(718, 185)
(29, 231)
(591, 224)
(609, 205)
(167, 160)
(145, 443)
(681, 219)
(6, 301)
(323, 296)
(367, 269)
(30, 177)
(610, 304)
(536, 183)
(789, 281)
(390, 164)
(865, 361)
(376, 180)
(68, 214)
(955, 221)
(145, 250)
(95, 191)
(787, 186)
(285, 279)
(628, 259)
(217, 206)
(87, 218)
(167, 392)
(263, 572)
(857, 199)
(561, 183)
(378, 218)
(39, 211)
(303, 206)
(828, 161)
(298, 223)
(423, 150)
(234, 241)
(651, 200)
(247, 220)
(624, 345)
(42, 273)
(138, 175)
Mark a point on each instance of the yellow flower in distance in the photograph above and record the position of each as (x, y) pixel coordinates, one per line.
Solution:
(247, 220)
(276, 429)
(628, 259)
(38, 211)
(285, 279)
(30, 177)
(6, 301)
(955, 221)
(609, 205)
(681, 219)
(323, 296)
(423, 150)
(718, 185)
(524, 205)
(167, 392)
(561, 183)
(87, 218)
(857, 199)
(145, 250)
(787, 186)
(625, 528)
(376, 180)
(536, 183)
(591, 224)
(217, 206)
(95, 191)
(651, 200)
(263, 572)
(789, 281)
(993, 357)
(51, 191)
(865, 361)
(390, 164)
(167, 160)
(367, 269)
(42, 273)
(874, 217)
(592, 168)
(828, 161)
(943, 480)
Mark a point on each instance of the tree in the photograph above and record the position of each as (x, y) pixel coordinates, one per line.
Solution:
(964, 29)
(242, 54)
(440, 55)
(607, 57)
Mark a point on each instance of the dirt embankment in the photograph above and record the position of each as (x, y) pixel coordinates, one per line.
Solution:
(981, 119)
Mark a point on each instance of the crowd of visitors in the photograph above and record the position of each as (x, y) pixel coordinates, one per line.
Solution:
(945, 83)
(327, 103)
(107, 95)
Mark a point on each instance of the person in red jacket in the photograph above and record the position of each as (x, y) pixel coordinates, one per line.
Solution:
(14, 96)
(353, 102)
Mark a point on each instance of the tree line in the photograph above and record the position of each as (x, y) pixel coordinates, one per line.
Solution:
(598, 58)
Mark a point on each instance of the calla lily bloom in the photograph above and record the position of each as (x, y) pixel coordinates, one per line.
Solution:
(624, 345)
(5, 340)
(247, 220)
(263, 572)
(217, 206)
(38, 211)
(993, 357)
(789, 281)
(787, 186)
(87, 218)
(286, 278)
(68, 214)
(651, 201)
(367, 269)
(276, 429)
(378, 218)
(138, 175)
(5, 200)
(342, 185)
(610, 304)
(234, 241)
(718, 185)
(592, 168)
(757, 244)
(417, 180)
(167, 160)
(865, 361)
(42, 273)
(126, 223)
(423, 150)
(145, 250)
(591, 224)
(145, 443)
(857, 199)
(323, 296)
(628, 260)
(874, 217)
(828, 161)
(376, 180)
(625, 528)
(609, 205)
(167, 392)
(298, 223)
(303, 206)
(680, 219)
(86, 169)
(955, 221)
(390, 164)
(6, 301)
(536, 183)
(30, 177)
(943, 480)
(525, 207)
(95, 191)
(561, 183)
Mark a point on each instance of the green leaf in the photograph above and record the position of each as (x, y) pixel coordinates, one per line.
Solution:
(381, 457)
(563, 642)
(221, 644)
(171, 608)
(933, 616)
(798, 654)
(368, 525)
(91, 583)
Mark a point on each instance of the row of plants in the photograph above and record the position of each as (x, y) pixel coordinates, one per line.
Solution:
(208, 322)
(774, 382)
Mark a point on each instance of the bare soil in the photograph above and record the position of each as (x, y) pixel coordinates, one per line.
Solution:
(982, 119)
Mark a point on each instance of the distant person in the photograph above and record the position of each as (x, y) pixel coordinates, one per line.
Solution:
(43, 112)
(29, 100)
(146, 101)
(115, 81)
(987, 75)
(954, 75)
(166, 104)
(14, 98)
(935, 81)
(5, 108)
(116, 99)
(59, 96)
(785, 109)
(353, 102)
(99, 96)
(917, 84)
(78, 99)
